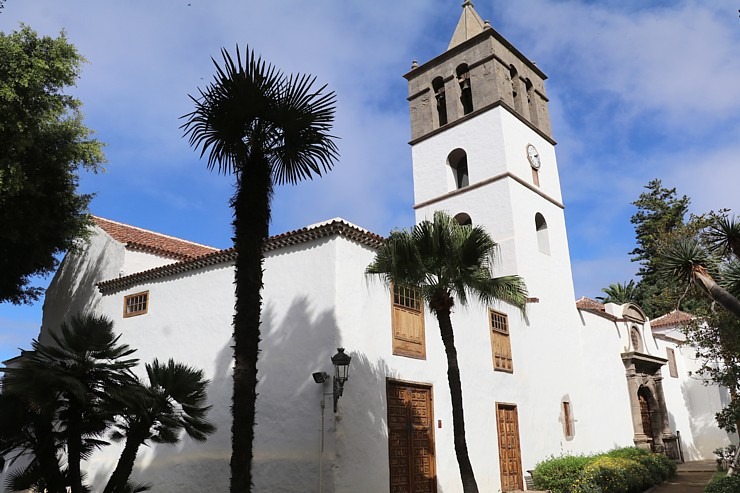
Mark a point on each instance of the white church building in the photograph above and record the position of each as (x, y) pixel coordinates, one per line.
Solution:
(569, 377)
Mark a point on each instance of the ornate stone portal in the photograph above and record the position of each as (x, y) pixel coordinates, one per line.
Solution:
(647, 403)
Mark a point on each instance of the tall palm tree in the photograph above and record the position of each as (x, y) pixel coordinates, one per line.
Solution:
(76, 383)
(620, 293)
(174, 400)
(449, 263)
(266, 128)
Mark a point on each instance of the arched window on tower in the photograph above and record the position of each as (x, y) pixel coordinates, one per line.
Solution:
(466, 93)
(438, 84)
(458, 162)
(531, 101)
(543, 238)
(463, 219)
(514, 78)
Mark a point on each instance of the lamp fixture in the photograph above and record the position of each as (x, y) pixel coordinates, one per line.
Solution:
(320, 376)
(341, 373)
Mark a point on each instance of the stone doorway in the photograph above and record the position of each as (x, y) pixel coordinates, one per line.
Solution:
(649, 414)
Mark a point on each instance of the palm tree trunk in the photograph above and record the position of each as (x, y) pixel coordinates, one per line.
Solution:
(46, 454)
(122, 473)
(251, 205)
(705, 281)
(74, 448)
(458, 419)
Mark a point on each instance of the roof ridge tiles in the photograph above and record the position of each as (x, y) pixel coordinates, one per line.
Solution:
(142, 239)
(313, 232)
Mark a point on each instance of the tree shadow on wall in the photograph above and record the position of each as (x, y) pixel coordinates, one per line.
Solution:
(191, 466)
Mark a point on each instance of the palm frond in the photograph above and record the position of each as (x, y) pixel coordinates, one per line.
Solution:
(731, 278)
(679, 259)
(447, 261)
(723, 236)
(252, 114)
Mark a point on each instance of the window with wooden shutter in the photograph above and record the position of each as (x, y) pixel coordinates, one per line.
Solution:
(500, 343)
(568, 423)
(672, 368)
(408, 322)
(135, 304)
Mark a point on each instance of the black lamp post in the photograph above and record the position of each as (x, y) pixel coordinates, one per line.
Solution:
(341, 373)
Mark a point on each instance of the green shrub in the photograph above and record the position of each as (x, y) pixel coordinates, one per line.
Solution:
(633, 453)
(728, 484)
(613, 475)
(559, 474)
(623, 470)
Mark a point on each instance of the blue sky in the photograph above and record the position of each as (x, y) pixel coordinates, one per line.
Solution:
(638, 89)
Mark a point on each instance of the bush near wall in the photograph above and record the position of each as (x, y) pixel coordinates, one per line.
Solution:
(728, 484)
(624, 470)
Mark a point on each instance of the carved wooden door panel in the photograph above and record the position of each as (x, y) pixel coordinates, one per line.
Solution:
(411, 438)
(508, 447)
(646, 415)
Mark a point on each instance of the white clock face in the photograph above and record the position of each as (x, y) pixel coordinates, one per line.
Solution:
(533, 156)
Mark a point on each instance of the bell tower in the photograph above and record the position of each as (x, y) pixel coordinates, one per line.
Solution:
(482, 150)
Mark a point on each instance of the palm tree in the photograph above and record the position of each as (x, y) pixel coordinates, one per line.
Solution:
(173, 401)
(75, 385)
(619, 293)
(688, 261)
(265, 128)
(449, 263)
(27, 434)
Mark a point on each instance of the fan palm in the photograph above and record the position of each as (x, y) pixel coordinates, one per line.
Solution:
(77, 383)
(27, 433)
(619, 293)
(449, 263)
(266, 128)
(174, 401)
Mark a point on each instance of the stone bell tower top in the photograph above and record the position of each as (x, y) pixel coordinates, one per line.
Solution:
(479, 71)
(469, 25)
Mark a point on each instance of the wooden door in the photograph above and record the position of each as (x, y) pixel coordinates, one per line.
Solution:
(646, 414)
(508, 447)
(411, 438)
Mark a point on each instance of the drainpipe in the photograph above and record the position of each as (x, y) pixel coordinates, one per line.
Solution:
(321, 448)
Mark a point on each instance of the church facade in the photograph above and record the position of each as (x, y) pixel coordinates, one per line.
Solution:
(568, 377)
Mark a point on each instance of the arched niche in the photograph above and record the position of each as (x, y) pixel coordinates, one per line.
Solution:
(457, 161)
(543, 236)
(466, 91)
(463, 219)
(438, 85)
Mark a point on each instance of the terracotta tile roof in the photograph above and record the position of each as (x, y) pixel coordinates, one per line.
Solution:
(309, 233)
(676, 317)
(588, 304)
(593, 306)
(152, 242)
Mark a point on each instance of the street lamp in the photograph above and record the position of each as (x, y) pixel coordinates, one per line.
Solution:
(341, 373)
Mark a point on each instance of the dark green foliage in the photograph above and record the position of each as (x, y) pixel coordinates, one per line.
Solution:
(623, 470)
(44, 143)
(266, 128)
(660, 212)
(449, 263)
(61, 399)
(728, 484)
